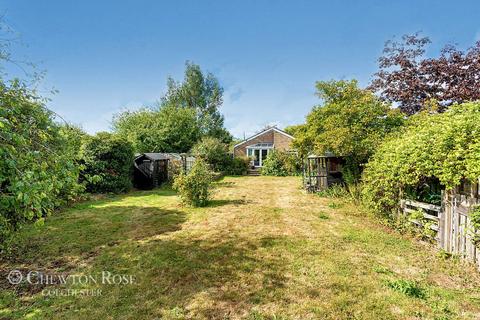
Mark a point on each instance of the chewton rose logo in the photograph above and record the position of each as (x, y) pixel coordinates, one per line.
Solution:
(15, 277)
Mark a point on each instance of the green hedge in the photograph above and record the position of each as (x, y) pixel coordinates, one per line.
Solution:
(443, 146)
(108, 162)
(38, 170)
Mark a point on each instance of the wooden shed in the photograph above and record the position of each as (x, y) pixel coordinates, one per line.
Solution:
(151, 170)
(322, 171)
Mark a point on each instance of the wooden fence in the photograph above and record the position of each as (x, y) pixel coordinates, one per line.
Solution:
(451, 222)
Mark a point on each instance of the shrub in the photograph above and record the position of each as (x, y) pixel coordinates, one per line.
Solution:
(281, 163)
(445, 146)
(213, 152)
(274, 165)
(237, 166)
(195, 188)
(37, 162)
(108, 162)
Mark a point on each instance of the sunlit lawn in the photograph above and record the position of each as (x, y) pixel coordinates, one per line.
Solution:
(262, 250)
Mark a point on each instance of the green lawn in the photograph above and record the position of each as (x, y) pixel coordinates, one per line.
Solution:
(262, 250)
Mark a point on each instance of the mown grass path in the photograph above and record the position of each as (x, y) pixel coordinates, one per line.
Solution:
(262, 250)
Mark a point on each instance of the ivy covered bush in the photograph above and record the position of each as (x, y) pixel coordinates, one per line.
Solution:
(195, 188)
(108, 163)
(444, 146)
(38, 170)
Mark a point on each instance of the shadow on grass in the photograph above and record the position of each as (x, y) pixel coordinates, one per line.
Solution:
(206, 276)
(224, 202)
(83, 233)
(171, 272)
(225, 184)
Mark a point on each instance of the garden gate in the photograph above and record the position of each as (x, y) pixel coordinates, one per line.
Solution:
(451, 221)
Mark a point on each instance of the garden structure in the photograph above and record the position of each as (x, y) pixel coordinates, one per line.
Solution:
(151, 169)
(322, 171)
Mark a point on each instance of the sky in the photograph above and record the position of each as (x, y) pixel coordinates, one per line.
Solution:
(106, 56)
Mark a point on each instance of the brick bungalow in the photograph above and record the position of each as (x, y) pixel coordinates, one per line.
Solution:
(259, 145)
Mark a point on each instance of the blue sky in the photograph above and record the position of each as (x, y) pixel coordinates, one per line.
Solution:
(105, 56)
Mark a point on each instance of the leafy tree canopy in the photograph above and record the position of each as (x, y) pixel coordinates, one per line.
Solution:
(351, 122)
(202, 93)
(293, 130)
(410, 79)
(167, 129)
(188, 112)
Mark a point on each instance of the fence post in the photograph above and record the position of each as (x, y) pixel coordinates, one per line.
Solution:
(441, 221)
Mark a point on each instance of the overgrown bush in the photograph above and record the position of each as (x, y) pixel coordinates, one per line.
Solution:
(37, 161)
(445, 146)
(281, 163)
(195, 188)
(214, 152)
(237, 166)
(108, 162)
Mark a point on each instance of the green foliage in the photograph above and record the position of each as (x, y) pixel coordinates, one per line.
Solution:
(195, 188)
(425, 225)
(352, 122)
(475, 222)
(445, 146)
(237, 166)
(203, 94)
(408, 288)
(293, 130)
(212, 151)
(281, 163)
(188, 111)
(166, 129)
(215, 153)
(335, 191)
(37, 161)
(108, 162)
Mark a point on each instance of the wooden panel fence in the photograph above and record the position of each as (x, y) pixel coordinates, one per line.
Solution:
(451, 222)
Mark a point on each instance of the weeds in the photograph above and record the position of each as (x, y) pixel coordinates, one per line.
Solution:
(407, 287)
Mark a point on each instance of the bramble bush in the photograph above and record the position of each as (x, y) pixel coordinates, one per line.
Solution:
(445, 146)
(38, 170)
(195, 187)
(108, 163)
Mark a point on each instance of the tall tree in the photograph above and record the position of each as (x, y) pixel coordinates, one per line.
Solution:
(202, 93)
(351, 122)
(410, 79)
(166, 129)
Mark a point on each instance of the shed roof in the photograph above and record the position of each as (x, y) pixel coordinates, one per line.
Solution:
(154, 156)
